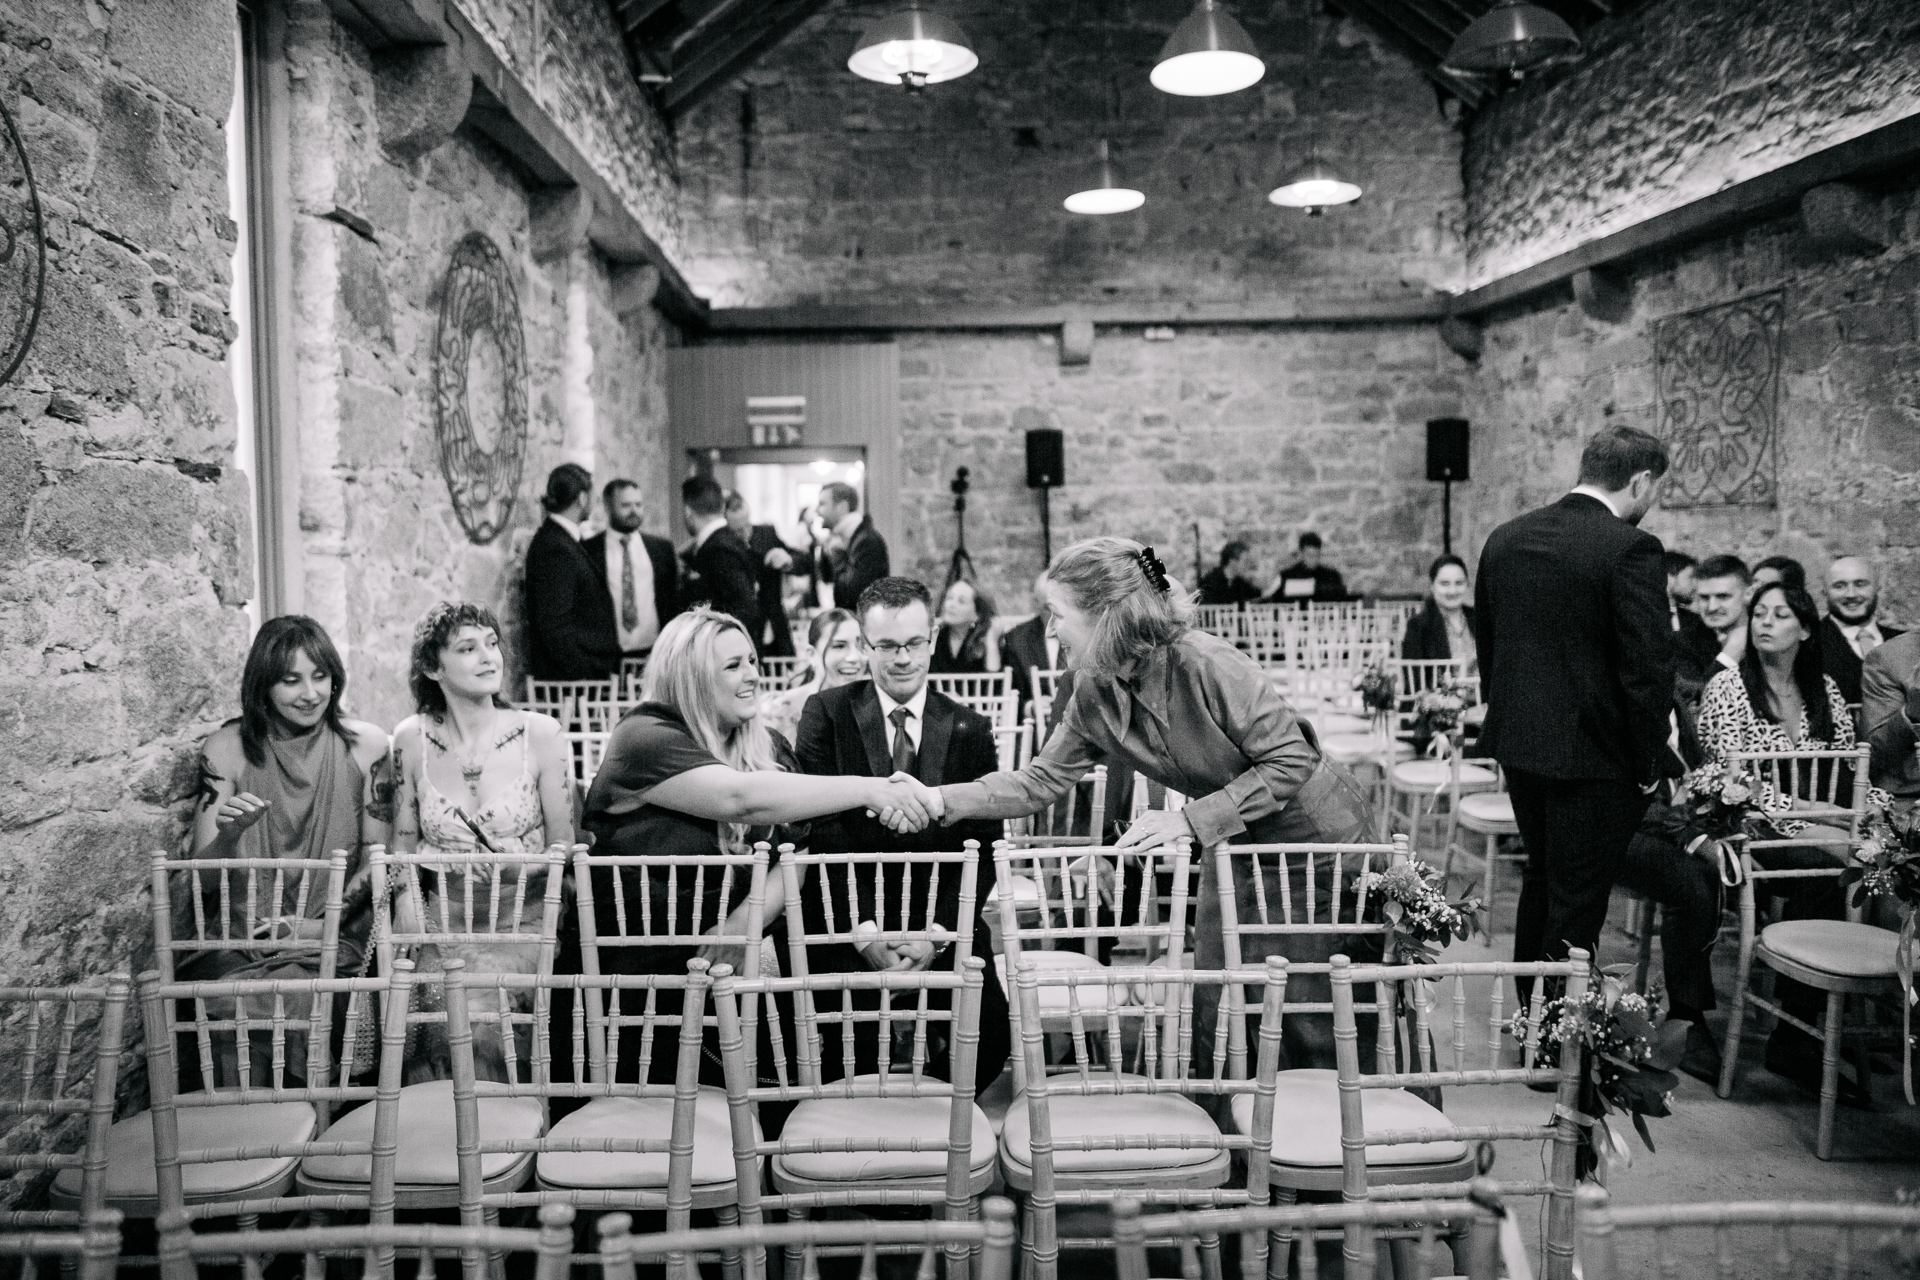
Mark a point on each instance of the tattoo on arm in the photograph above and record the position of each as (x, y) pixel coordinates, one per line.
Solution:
(210, 781)
(383, 784)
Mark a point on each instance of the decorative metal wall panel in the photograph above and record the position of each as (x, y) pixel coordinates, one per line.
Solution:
(23, 252)
(480, 388)
(1717, 371)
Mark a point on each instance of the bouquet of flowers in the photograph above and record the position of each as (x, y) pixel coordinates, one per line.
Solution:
(1438, 710)
(1888, 862)
(1629, 1057)
(1376, 688)
(1721, 800)
(1410, 898)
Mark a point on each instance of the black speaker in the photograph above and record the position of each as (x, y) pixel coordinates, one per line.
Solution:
(1446, 448)
(1046, 458)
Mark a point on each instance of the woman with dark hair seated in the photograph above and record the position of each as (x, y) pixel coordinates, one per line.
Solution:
(291, 777)
(1780, 699)
(960, 645)
(1444, 627)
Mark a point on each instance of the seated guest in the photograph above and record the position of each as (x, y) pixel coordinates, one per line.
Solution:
(1782, 569)
(834, 658)
(720, 569)
(1307, 579)
(771, 559)
(1030, 647)
(639, 571)
(1691, 638)
(1232, 582)
(892, 723)
(1778, 699)
(1720, 597)
(290, 778)
(1682, 582)
(966, 618)
(692, 771)
(1850, 631)
(1444, 626)
(570, 616)
(1890, 708)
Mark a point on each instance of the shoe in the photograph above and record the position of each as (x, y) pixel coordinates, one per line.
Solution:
(1797, 1058)
(1702, 1058)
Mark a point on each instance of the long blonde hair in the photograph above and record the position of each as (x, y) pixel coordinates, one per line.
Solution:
(1130, 614)
(681, 673)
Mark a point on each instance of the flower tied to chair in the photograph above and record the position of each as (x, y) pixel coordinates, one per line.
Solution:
(1155, 571)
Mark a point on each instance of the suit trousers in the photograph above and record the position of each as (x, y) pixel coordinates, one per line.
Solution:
(1690, 897)
(1576, 833)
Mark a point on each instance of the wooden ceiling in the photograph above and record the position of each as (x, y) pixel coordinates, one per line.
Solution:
(683, 50)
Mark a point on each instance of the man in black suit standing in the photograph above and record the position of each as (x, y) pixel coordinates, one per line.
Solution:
(771, 560)
(570, 622)
(719, 566)
(640, 572)
(893, 723)
(1851, 630)
(1576, 655)
(856, 553)
(1029, 647)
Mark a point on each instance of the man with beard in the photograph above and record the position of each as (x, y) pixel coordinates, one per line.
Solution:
(1850, 631)
(639, 570)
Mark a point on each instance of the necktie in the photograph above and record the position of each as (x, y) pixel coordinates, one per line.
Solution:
(629, 611)
(1866, 640)
(904, 756)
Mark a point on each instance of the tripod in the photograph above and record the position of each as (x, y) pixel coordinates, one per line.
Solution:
(960, 566)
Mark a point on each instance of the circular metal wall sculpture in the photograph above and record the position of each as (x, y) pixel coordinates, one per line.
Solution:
(23, 253)
(480, 388)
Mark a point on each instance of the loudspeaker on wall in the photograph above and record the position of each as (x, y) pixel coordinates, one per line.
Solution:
(1446, 449)
(1046, 458)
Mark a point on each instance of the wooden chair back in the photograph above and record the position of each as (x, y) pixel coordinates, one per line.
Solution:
(259, 909)
(564, 700)
(1073, 894)
(328, 1250)
(779, 673)
(1828, 789)
(1431, 1220)
(600, 717)
(1054, 825)
(874, 898)
(585, 749)
(633, 672)
(91, 1253)
(1223, 620)
(990, 694)
(44, 1032)
(1850, 1237)
(1015, 746)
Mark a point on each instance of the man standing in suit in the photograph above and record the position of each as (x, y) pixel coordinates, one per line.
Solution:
(1576, 653)
(856, 553)
(639, 571)
(771, 560)
(570, 624)
(1850, 631)
(719, 567)
(1029, 647)
(892, 723)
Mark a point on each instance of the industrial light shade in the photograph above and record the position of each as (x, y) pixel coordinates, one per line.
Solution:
(914, 48)
(1106, 194)
(1208, 54)
(1313, 187)
(1512, 38)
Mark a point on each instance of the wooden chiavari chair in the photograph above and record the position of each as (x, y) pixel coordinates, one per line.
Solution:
(990, 694)
(45, 1034)
(1014, 746)
(1046, 683)
(633, 672)
(1840, 1250)
(1062, 822)
(779, 673)
(1489, 815)
(91, 1253)
(327, 1250)
(567, 700)
(1417, 783)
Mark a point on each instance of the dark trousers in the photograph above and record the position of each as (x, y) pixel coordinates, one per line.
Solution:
(1576, 834)
(1688, 891)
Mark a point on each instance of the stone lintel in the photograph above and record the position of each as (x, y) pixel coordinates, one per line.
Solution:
(1604, 294)
(1841, 218)
(561, 216)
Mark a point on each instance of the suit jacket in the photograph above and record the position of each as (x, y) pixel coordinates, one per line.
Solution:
(1839, 659)
(1426, 636)
(865, 563)
(1695, 650)
(1576, 646)
(771, 584)
(721, 576)
(1217, 588)
(1885, 676)
(1023, 650)
(1328, 585)
(666, 574)
(570, 625)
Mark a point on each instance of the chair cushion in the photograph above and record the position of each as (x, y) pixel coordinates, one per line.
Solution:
(1489, 807)
(1428, 774)
(1105, 1115)
(130, 1174)
(1306, 1122)
(426, 1157)
(1328, 723)
(1053, 1000)
(640, 1118)
(836, 1119)
(1351, 748)
(1837, 946)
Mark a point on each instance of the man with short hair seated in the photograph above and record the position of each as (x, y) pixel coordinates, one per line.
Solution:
(1306, 579)
(1851, 629)
(1233, 581)
(1720, 598)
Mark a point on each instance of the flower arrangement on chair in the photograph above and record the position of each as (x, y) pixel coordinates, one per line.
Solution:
(1888, 862)
(1377, 689)
(1410, 898)
(1630, 1058)
(1438, 711)
(1721, 799)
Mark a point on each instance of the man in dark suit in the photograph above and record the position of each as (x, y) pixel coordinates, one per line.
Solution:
(639, 571)
(719, 566)
(1306, 579)
(1689, 634)
(570, 622)
(1233, 581)
(1029, 647)
(1576, 656)
(771, 559)
(1851, 630)
(889, 724)
(856, 554)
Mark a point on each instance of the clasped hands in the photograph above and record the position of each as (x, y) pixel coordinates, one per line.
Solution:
(904, 804)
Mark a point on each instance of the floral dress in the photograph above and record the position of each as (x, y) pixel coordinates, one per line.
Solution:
(1728, 723)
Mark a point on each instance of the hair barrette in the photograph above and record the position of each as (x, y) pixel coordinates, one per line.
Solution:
(1155, 571)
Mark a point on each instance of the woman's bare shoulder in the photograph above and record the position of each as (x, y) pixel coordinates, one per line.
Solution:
(222, 749)
(542, 728)
(370, 741)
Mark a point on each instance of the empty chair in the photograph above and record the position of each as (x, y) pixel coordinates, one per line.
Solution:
(185, 1255)
(1077, 817)
(42, 1026)
(1014, 746)
(777, 674)
(989, 694)
(567, 700)
(1798, 1237)
(90, 1253)
(1487, 813)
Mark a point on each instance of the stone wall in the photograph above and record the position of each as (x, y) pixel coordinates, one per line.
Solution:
(124, 547)
(1253, 434)
(815, 185)
(1674, 101)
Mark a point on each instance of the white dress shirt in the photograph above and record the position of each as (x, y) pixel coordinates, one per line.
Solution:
(642, 636)
(569, 527)
(916, 715)
(706, 531)
(1868, 629)
(1599, 495)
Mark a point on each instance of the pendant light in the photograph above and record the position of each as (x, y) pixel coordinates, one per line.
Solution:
(913, 48)
(1106, 193)
(1512, 38)
(1208, 54)
(1314, 186)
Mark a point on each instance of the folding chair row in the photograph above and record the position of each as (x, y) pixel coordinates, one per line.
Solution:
(91, 1253)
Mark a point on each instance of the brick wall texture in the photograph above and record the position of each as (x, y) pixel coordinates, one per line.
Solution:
(815, 185)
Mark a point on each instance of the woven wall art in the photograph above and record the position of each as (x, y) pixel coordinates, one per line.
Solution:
(1717, 371)
(480, 388)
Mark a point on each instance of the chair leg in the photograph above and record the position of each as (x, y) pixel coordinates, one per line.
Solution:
(249, 1262)
(496, 1260)
(1736, 1017)
(1280, 1242)
(1829, 1073)
(1493, 860)
(792, 1254)
(728, 1215)
(1210, 1258)
(1643, 963)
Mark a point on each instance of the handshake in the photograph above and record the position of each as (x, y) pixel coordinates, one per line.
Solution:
(904, 804)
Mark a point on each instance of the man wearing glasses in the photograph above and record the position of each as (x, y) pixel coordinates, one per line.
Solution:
(893, 723)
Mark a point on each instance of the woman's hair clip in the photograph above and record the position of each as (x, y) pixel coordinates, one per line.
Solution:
(1155, 571)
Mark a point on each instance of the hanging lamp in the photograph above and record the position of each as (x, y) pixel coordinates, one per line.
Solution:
(1106, 193)
(1208, 54)
(1512, 38)
(1313, 187)
(913, 48)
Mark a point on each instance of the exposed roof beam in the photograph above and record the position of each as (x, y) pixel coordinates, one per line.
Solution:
(699, 21)
(1426, 59)
(1424, 24)
(632, 14)
(709, 69)
(1422, 308)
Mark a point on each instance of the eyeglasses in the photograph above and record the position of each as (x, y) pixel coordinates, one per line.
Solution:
(888, 649)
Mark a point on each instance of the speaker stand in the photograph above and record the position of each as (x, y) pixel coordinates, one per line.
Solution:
(1446, 517)
(1046, 526)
